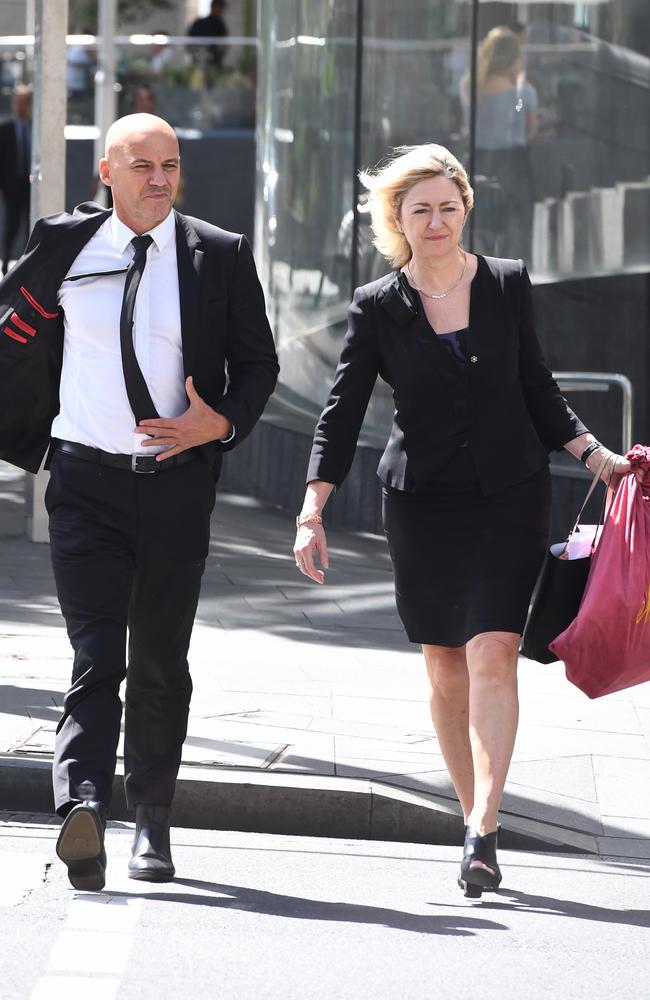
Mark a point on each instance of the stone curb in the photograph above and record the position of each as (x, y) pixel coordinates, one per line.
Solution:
(298, 805)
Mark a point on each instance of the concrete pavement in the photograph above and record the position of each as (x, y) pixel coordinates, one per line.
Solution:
(309, 712)
(260, 917)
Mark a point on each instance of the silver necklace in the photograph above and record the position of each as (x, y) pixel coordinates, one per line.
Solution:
(443, 295)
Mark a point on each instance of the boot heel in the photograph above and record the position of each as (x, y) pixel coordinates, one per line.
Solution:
(470, 891)
(80, 846)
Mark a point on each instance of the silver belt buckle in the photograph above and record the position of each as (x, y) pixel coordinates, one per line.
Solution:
(134, 465)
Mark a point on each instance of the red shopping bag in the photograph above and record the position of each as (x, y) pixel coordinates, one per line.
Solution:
(607, 646)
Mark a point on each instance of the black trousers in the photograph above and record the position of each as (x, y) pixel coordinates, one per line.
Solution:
(16, 206)
(128, 552)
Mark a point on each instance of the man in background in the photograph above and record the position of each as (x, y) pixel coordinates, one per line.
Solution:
(15, 165)
(144, 100)
(212, 26)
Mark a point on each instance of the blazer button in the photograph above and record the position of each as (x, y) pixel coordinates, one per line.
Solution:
(473, 359)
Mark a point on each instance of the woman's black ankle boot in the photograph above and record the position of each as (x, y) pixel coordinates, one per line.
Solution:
(479, 870)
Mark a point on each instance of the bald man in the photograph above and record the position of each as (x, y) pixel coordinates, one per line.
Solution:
(117, 329)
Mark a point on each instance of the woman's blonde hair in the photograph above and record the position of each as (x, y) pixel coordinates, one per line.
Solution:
(389, 184)
(498, 55)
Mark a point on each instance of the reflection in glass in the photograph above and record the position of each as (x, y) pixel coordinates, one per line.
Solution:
(550, 113)
(156, 73)
(506, 123)
(305, 181)
(566, 185)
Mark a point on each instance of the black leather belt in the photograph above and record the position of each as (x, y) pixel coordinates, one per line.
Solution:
(133, 463)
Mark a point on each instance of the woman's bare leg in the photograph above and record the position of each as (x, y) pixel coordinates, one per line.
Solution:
(449, 701)
(493, 717)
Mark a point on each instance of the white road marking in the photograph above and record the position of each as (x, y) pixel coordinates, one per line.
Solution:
(92, 951)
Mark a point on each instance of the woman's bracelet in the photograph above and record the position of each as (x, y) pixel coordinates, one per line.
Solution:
(308, 519)
(589, 450)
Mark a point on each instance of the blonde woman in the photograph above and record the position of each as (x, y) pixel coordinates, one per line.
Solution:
(507, 102)
(466, 483)
(506, 122)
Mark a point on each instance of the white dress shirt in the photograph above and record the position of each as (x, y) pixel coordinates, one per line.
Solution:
(95, 408)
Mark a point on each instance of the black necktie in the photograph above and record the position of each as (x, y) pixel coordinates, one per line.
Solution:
(136, 387)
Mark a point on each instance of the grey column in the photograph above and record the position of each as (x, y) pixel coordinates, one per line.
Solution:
(105, 94)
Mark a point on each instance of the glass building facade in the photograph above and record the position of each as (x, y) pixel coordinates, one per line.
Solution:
(547, 105)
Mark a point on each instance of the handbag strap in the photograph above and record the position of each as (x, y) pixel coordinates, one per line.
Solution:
(594, 482)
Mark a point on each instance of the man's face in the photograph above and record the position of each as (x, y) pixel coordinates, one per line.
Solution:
(22, 104)
(144, 101)
(143, 171)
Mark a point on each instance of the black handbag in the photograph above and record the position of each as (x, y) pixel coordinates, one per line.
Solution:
(560, 585)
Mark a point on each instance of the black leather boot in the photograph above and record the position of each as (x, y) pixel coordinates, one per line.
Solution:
(151, 854)
(479, 869)
(81, 845)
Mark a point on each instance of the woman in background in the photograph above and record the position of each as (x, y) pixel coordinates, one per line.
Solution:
(506, 123)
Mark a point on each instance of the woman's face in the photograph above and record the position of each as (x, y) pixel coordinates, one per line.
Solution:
(432, 217)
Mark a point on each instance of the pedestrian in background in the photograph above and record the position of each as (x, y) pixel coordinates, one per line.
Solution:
(506, 125)
(211, 26)
(80, 67)
(124, 323)
(465, 473)
(15, 167)
(144, 100)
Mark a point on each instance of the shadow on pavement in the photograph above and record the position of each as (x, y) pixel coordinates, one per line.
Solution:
(298, 908)
(43, 702)
(549, 905)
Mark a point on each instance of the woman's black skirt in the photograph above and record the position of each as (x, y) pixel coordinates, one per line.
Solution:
(465, 563)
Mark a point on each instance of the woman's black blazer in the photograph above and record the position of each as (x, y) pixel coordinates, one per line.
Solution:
(504, 404)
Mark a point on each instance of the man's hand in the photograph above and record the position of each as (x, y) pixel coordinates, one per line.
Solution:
(198, 425)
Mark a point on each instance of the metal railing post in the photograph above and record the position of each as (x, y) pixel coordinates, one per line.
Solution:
(602, 382)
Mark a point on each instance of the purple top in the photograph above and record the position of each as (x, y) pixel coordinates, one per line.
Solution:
(454, 342)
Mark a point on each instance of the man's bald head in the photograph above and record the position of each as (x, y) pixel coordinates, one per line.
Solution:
(142, 168)
(136, 127)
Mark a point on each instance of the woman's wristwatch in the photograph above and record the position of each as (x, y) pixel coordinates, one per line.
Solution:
(589, 450)
(308, 519)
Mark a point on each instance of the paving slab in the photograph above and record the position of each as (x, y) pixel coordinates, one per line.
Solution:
(313, 687)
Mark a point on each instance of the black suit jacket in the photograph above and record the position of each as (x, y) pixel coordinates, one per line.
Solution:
(227, 342)
(505, 403)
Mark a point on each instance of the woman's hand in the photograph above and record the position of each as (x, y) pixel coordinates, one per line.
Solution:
(310, 542)
(621, 467)
(614, 465)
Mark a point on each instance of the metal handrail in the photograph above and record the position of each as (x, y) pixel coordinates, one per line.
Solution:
(603, 382)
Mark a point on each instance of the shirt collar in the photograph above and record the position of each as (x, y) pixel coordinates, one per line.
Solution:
(160, 234)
